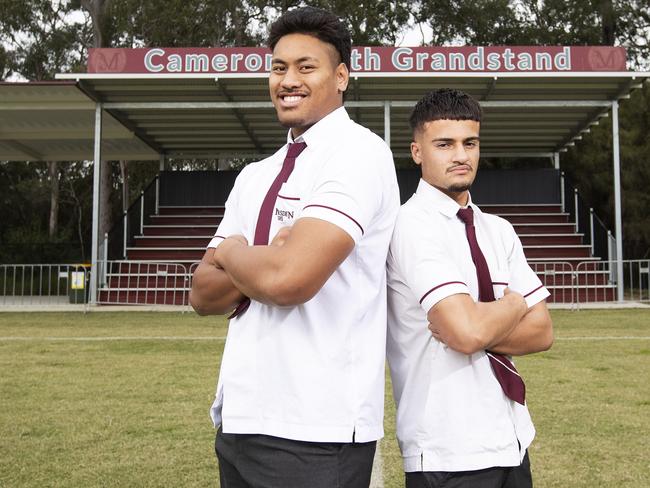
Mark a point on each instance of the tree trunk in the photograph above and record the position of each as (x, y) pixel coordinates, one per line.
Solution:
(608, 20)
(105, 190)
(53, 170)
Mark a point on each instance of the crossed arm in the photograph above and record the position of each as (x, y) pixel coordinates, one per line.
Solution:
(287, 272)
(505, 326)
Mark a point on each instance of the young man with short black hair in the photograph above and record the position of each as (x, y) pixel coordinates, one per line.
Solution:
(300, 393)
(462, 299)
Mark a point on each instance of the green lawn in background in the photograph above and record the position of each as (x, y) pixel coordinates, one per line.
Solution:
(128, 407)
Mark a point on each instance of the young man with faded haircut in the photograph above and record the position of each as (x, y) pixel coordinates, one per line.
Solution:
(462, 300)
(299, 401)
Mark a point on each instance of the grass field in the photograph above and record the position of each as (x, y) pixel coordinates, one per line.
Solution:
(121, 400)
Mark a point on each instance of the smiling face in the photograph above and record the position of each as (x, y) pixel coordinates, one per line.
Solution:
(448, 153)
(306, 81)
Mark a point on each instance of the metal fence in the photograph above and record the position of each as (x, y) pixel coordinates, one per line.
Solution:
(152, 283)
(44, 284)
(143, 283)
(558, 277)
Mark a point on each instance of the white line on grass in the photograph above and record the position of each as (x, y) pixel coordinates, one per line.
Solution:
(223, 338)
(116, 338)
(377, 476)
(603, 338)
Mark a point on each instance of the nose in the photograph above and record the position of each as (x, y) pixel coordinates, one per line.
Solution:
(291, 79)
(460, 154)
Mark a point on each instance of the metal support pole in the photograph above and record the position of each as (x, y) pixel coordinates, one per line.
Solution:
(161, 166)
(617, 203)
(387, 122)
(141, 212)
(125, 221)
(575, 208)
(556, 160)
(97, 157)
(562, 191)
(105, 259)
(157, 194)
(591, 229)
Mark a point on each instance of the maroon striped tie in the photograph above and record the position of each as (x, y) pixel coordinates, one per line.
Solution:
(266, 210)
(505, 372)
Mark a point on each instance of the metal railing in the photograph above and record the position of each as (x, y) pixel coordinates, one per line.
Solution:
(558, 278)
(152, 283)
(596, 281)
(133, 221)
(586, 221)
(44, 284)
(144, 283)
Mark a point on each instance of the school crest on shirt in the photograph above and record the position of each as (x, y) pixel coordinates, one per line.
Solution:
(282, 215)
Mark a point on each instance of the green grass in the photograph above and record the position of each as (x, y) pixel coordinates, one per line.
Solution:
(134, 412)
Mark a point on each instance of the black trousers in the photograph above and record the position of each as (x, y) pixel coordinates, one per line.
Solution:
(513, 477)
(261, 461)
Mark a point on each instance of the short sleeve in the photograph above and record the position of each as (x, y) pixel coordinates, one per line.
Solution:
(418, 252)
(231, 223)
(522, 278)
(348, 192)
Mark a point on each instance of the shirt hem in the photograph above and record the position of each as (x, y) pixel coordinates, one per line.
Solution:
(301, 432)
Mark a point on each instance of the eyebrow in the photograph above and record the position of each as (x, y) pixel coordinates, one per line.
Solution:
(299, 60)
(449, 139)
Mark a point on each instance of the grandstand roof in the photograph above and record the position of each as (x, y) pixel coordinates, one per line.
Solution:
(203, 115)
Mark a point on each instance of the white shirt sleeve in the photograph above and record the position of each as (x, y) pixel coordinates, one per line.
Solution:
(348, 192)
(522, 278)
(419, 254)
(231, 222)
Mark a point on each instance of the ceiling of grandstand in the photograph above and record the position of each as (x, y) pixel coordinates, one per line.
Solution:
(146, 116)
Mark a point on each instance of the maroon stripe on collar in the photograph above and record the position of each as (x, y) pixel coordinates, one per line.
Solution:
(499, 283)
(220, 237)
(528, 294)
(336, 210)
(288, 198)
(440, 286)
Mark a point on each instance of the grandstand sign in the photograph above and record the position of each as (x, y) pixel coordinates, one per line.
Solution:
(497, 59)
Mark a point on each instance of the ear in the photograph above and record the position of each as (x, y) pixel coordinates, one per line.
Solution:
(416, 153)
(342, 77)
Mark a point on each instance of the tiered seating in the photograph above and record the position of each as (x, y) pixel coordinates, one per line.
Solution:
(174, 240)
(554, 249)
(177, 237)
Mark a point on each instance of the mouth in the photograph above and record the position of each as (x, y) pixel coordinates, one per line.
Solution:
(461, 169)
(289, 100)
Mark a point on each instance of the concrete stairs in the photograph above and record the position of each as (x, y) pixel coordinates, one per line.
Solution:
(158, 265)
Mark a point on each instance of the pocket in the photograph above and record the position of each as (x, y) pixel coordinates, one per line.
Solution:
(500, 281)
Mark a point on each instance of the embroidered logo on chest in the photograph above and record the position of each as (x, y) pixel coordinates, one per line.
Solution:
(282, 215)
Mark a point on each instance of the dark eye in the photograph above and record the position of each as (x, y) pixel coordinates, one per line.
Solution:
(278, 69)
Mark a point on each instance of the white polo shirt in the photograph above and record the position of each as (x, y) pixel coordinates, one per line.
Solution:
(452, 414)
(315, 372)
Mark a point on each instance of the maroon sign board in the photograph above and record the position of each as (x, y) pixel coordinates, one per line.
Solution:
(466, 59)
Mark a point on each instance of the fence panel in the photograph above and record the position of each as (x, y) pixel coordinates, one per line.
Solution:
(559, 278)
(44, 284)
(144, 283)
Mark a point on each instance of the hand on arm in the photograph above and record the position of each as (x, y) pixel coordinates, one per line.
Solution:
(468, 326)
(534, 333)
(293, 268)
(213, 292)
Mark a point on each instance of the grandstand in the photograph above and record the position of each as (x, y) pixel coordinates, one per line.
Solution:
(126, 108)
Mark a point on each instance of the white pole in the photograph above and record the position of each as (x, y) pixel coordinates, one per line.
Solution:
(562, 191)
(575, 208)
(556, 160)
(97, 157)
(591, 229)
(617, 203)
(387, 122)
